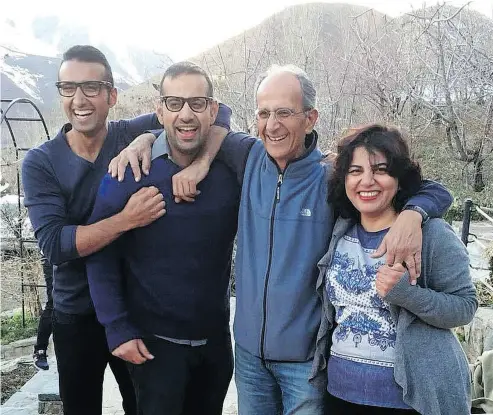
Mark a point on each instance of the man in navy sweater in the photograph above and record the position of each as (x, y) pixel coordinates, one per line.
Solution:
(60, 180)
(161, 290)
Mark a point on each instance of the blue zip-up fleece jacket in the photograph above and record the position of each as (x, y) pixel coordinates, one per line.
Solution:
(284, 228)
(277, 313)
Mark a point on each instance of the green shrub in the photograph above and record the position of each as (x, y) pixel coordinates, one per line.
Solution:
(12, 329)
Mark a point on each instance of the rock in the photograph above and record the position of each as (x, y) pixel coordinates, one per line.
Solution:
(479, 334)
(50, 408)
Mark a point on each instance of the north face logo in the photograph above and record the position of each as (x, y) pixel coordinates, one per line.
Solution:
(306, 212)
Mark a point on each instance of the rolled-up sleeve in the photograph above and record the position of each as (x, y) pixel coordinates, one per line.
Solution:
(46, 207)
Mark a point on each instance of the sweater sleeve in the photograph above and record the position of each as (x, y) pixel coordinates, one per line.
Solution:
(448, 297)
(47, 209)
(234, 152)
(139, 125)
(433, 198)
(104, 272)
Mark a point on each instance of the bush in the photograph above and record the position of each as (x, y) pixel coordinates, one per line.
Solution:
(12, 329)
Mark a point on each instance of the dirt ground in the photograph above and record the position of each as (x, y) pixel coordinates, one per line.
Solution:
(13, 381)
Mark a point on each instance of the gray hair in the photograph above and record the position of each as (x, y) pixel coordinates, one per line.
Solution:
(308, 91)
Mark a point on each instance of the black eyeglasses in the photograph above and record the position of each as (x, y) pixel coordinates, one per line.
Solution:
(280, 114)
(175, 104)
(90, 89)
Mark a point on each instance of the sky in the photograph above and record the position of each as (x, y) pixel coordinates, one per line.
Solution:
(183, 28)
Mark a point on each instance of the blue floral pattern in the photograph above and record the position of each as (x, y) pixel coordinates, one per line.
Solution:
(363, 317)
(352, 279)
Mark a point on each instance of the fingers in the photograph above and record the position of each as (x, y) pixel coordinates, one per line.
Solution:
(113, 166)
(149, 191)
(130, 352)
(122, 165)
(398, 267)
(152, 202)
(156, 206)
(411, 267)
(417, 261)
(381, 250)
(134, 164)
(146, 161)
(184, 189)
(143, 350)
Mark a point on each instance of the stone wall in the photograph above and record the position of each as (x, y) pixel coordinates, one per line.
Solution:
(478, 335)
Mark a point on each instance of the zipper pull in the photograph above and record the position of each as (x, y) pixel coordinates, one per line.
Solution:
(278, 191)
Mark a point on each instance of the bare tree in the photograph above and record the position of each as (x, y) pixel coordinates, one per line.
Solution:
(453, 48)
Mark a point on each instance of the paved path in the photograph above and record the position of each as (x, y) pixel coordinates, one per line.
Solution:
(483, 232)
(112, 399)
(25, 402)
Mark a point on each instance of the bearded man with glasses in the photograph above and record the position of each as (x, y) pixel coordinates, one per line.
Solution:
(61, 178)
(161, 291)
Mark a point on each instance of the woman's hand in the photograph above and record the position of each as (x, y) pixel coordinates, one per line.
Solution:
(387, 277)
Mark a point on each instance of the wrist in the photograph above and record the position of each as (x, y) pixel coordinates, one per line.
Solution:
(418, 213)
(121, 222)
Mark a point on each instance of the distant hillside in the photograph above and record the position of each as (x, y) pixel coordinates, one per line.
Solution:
(429, 72)
(308, 35)
(30, 57)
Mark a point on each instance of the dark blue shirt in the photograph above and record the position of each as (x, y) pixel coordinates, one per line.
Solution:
(60, 188)
(169, 278)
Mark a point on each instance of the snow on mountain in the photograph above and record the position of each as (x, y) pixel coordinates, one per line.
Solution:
(21, 77)
(30, 52)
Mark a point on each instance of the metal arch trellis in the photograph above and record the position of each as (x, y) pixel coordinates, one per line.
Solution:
(5, 118)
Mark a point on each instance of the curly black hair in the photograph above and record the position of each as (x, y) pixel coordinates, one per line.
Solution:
(374, 138)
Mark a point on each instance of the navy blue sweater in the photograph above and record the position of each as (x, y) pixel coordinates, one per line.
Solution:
(60, 188)
(171, 277)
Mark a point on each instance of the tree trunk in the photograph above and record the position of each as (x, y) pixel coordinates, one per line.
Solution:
(478, 173)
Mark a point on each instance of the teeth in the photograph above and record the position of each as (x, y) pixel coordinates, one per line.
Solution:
(368, 194)
(187, 128)
(277, 138)
(82, 113)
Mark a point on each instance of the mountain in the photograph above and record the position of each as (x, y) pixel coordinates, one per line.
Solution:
(30, 54)
(313, 36)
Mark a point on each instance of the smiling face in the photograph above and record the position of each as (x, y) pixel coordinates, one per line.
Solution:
(186, 130)
(284, 140)
(369, 186)
(87, 115)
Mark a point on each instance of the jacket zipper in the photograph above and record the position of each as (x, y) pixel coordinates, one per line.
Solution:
(271, 239)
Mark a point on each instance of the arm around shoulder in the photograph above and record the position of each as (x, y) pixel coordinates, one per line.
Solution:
(432, 200)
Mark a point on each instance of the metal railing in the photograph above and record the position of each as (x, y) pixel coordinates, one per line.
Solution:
(466, 224)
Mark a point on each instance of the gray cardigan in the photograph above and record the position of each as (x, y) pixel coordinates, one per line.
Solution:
(430, 365)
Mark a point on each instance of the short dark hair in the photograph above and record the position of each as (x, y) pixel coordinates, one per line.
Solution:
(186, 68)
(390, 142)
(90, 54)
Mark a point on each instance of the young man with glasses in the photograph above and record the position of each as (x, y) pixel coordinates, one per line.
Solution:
(60, 179)
(164, 296)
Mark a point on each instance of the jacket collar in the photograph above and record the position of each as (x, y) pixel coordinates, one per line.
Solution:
(160, 147)
(302, 165)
